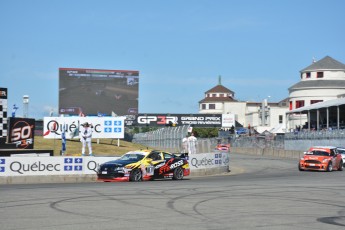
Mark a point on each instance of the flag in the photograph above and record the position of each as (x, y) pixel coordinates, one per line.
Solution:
(63, 140)
(14, 110)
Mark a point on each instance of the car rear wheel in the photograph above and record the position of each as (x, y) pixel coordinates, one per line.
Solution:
(178, 174)
(330, 167)
(136, 175)
(341, 166)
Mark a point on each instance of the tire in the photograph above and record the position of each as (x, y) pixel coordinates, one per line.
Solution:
(329, 167)
(341, 166)
(299, 167)
(178, 174)
(136, 175)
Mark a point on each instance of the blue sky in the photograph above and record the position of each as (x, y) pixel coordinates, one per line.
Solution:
(180, 47)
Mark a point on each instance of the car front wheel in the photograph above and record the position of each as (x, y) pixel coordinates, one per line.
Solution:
(330, 167)
(178, 174)
(299, 167)
(135, 175)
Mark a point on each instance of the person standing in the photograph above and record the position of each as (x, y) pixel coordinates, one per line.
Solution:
(185, 144)
(192, 143)
(85, 138)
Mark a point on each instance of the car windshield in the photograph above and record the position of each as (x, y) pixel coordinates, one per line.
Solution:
(318, 153)
(132, 157)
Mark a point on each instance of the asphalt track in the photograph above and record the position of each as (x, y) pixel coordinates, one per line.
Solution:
(258, 193)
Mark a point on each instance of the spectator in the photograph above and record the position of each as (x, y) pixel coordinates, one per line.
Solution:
(192, 143)
(85, 138)
(185, 144)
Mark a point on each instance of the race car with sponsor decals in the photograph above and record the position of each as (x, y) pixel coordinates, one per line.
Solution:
(144, 165)
(321, 158)
(222, 147)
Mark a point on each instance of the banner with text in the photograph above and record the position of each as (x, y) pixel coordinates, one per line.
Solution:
(102, 127)
(198, 120)
(38, 166)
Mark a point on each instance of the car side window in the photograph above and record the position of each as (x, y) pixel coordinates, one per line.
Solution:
(167, 156)
(155, 156)
(332, 152)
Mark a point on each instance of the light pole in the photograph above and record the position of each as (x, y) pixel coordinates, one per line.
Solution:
(25, 106)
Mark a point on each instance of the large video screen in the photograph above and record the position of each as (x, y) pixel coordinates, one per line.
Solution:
(98, 92)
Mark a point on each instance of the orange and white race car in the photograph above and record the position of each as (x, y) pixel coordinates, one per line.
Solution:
(321, 158)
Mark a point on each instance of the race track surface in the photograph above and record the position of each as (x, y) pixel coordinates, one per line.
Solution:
(259, 193)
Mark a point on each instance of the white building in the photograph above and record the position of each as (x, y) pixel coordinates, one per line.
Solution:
(321, 81)
(221, 100)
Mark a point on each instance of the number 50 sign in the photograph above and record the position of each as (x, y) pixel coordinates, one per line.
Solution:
(21, 132)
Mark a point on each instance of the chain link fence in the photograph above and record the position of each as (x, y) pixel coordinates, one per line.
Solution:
(168, 139)
(171, 139)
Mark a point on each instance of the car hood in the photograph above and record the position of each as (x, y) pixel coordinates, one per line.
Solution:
(119, 163)
(318, 158)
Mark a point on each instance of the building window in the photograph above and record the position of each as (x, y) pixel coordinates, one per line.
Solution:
(315, 101)
(319, 75)
(212, 106)
(203, 106)
(299, 104)
(290, 106)
(280, 119)
(307, 74)
(214, 95)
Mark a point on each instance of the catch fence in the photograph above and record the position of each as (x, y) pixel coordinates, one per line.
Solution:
(171, 139)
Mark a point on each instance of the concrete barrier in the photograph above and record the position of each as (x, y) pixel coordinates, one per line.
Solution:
(36, 170)
(290, 154)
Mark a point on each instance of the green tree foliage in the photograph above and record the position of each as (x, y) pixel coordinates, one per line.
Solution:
(205, 132)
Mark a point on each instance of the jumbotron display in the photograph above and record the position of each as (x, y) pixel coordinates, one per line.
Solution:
(95, 91)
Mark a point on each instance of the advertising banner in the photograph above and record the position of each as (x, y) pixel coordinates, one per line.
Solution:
(197, 120)
(102, 127)
(228, 120)
(37, 166)
(208, 160)
(21, 132)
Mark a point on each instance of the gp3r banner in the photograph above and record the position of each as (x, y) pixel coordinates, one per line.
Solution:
(102, 127)
(198, 120)
(21, 132)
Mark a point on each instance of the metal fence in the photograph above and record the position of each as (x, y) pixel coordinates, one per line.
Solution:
(267, 141)
(170, 139)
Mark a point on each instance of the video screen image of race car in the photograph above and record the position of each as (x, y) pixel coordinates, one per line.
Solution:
(143, 165)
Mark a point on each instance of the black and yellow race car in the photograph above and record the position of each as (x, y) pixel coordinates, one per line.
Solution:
(143, 165)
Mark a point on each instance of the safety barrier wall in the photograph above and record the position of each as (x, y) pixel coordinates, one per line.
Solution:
(292, 154)
(43, 169)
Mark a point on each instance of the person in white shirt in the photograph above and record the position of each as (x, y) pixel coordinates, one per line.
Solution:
(185, 144)
(192, 144)
(85, 138)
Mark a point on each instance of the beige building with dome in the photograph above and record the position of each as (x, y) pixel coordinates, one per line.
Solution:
(221, 100)
(321, 81)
